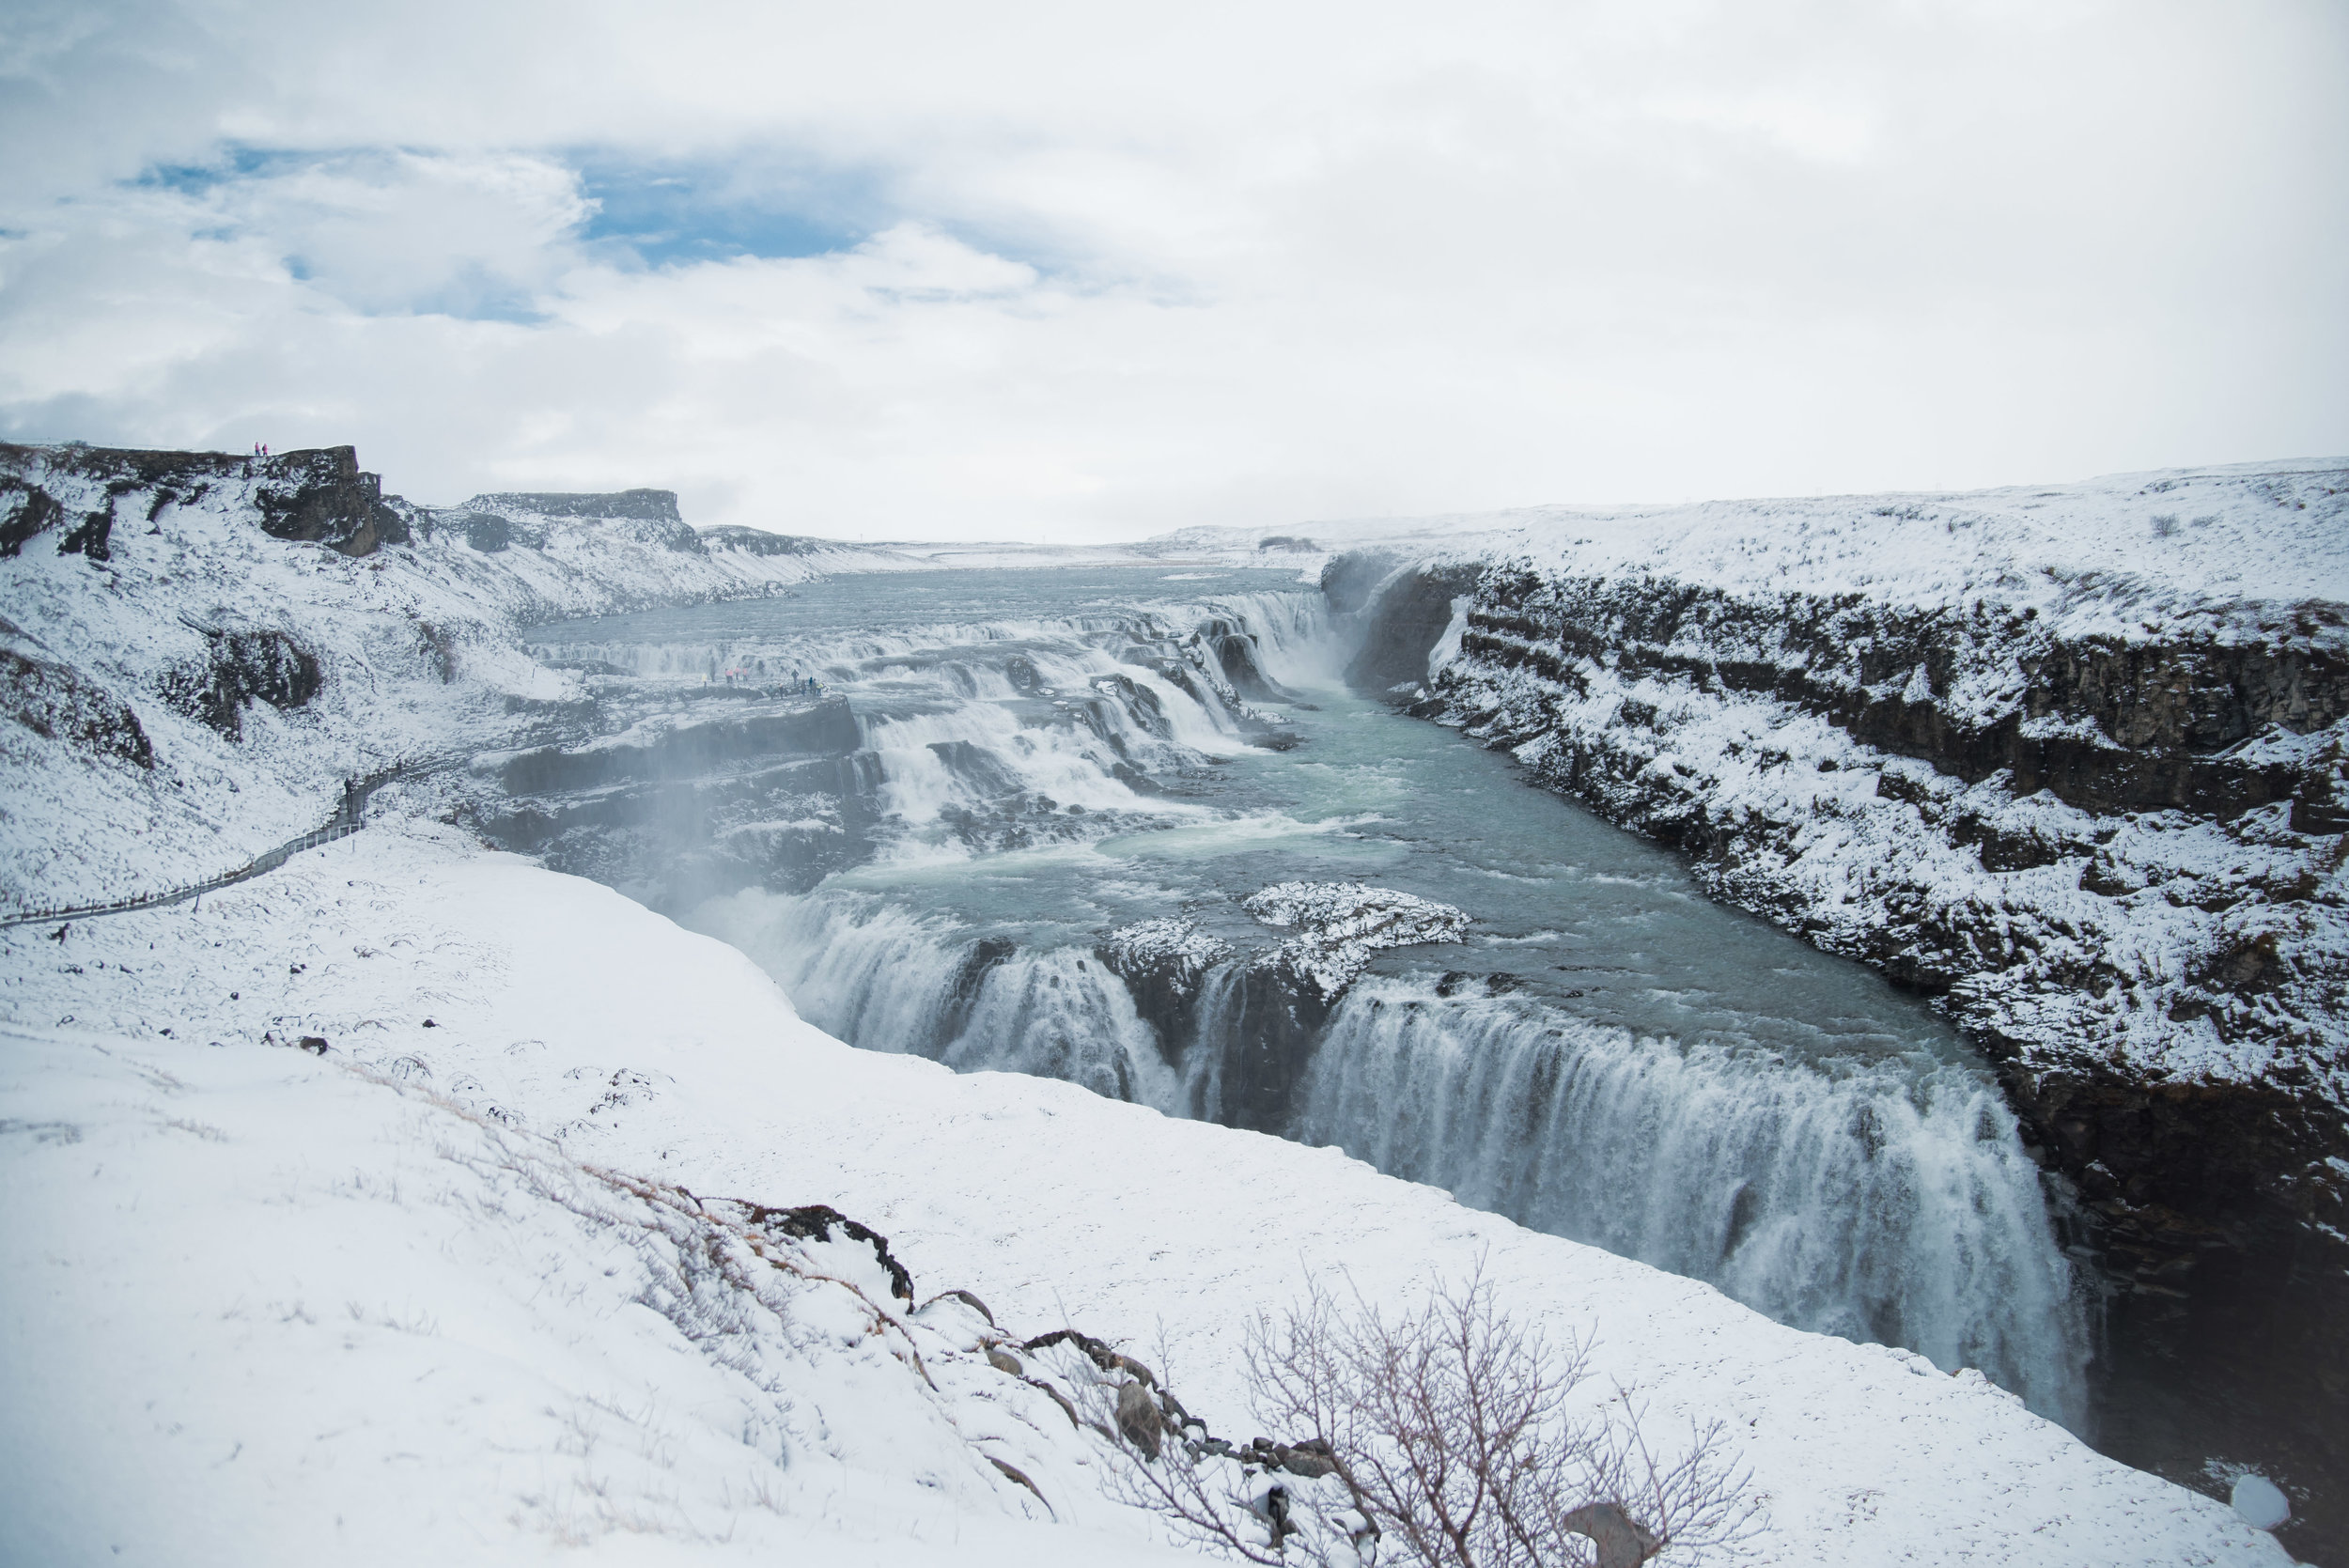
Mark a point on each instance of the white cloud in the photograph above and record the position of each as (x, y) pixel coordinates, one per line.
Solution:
(1126, 272)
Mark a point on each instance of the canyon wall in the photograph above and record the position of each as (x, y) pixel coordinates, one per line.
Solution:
(2100, 822)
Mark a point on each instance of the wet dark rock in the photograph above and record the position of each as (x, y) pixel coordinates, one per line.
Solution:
(1349, 579)
(1164, 964)
(1411, 618)
(1233, 649)
(977, 766)
(979, 960)
(1453, 983)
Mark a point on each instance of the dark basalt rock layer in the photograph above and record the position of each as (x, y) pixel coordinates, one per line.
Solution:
(2149, 724)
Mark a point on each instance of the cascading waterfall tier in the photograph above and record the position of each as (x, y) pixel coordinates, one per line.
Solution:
(1030, 785)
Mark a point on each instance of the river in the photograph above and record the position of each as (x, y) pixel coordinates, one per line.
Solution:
(1044, 756)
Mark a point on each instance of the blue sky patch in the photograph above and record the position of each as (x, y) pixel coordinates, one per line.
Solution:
(712, 209)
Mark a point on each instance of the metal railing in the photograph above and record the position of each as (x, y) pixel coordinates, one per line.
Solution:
(347, 820)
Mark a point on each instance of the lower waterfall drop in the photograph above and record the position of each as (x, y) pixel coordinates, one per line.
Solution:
(1883, 1202)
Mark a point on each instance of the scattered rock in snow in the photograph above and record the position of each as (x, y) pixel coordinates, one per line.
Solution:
(1139, 1419)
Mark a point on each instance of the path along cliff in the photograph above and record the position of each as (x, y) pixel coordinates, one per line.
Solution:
(201, 647)
(2070, 761)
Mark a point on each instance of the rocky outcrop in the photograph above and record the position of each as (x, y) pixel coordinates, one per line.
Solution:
(240, 668)
(758, 541)
(58, 703)
(26, 510)
(646, 516)
(319, 496)
(1164, 964)
(1340, 925)
(1256, 1016)
(2101, 722)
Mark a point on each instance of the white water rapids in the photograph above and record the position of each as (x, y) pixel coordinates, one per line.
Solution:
(1651, 1073)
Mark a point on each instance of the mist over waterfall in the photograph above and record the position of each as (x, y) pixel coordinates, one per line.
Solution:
(1602, 1052)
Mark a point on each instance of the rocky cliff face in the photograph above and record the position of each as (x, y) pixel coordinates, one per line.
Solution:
(2126, 880)
(315, 497)
(2101, 822)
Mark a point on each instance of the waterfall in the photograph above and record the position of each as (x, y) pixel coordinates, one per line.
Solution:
(1888, 1203)
(881, 978)
(1883, 1200)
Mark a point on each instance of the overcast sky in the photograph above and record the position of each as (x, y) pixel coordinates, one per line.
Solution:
(1090, 271)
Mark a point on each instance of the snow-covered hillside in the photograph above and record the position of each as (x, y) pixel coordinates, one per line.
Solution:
(439, 1291)
(201, 647)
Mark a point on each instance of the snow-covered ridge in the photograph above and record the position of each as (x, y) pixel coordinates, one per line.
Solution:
(2100, 555)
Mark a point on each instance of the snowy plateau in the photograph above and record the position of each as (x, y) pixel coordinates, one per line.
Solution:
(413, 1200)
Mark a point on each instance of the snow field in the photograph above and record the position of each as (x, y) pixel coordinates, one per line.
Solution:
(383, 1272)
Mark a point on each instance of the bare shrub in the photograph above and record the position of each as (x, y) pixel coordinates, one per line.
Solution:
(1451, 1438)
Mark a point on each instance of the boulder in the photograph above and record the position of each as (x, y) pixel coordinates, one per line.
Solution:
(1139, 1419)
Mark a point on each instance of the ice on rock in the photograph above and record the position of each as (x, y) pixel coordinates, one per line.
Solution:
(1170, 943)
(2260, 1500)
(1340, 924)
